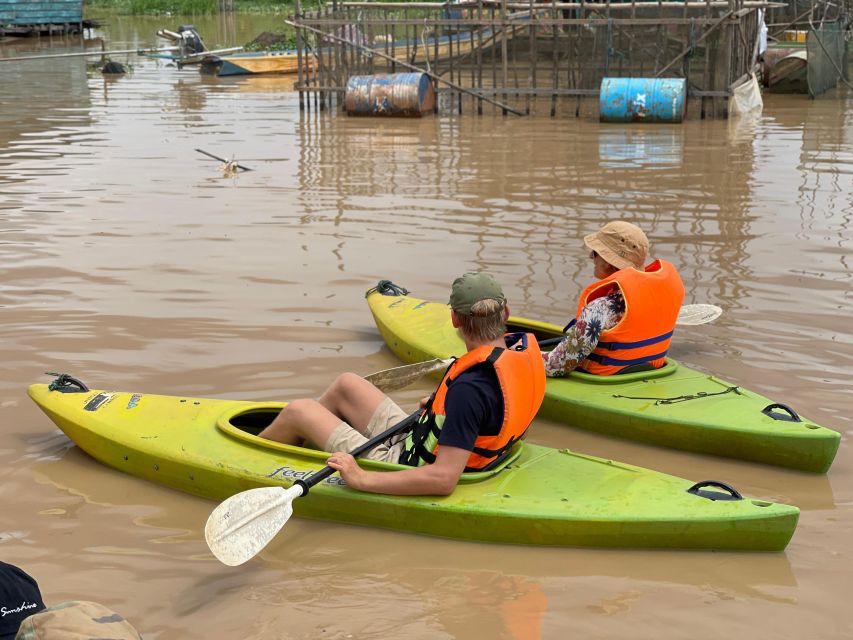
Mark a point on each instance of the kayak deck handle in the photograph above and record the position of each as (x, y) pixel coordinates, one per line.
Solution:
(697, 490)
(790, 417)
(66, 384)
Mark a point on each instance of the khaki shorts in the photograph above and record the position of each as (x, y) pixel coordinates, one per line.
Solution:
(387, 414)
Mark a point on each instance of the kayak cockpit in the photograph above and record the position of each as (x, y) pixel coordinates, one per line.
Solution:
(245, 422)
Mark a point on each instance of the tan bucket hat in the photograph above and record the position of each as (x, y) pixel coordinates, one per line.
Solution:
(620, 243)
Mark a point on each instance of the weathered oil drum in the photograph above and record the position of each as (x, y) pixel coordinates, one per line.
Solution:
(396, 94)
(642, 99)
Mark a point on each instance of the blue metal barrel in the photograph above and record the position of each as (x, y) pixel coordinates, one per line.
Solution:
(642, 99)
(396, 94)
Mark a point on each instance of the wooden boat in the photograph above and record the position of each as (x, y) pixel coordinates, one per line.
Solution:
(785, 69)
(537, 496)
(426, 49)
(254, 62)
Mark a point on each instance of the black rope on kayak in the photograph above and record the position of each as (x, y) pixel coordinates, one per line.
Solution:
(698, 395)
(387, 288)
(66, 384)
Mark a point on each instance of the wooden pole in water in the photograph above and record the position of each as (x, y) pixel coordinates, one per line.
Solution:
(299, 79)
(704, 35)
(88, 53)
(452, 85)
(505, 79)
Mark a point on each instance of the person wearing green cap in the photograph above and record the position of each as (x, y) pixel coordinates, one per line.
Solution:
(483, 405)
(625, 319)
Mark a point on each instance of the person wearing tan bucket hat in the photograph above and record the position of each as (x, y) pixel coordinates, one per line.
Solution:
(486, 400)
(625, 319)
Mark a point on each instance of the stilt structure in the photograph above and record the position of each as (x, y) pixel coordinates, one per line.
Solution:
(545, 57)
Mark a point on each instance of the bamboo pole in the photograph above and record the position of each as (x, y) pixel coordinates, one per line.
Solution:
(298, 10)
(677, 4)
(504, 79)
(705, 34)
(140, 52)
(480, 56)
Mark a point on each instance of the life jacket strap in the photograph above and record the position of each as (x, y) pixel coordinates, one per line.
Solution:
(613, 346)
(497, 455)
(420, 433)
(615, 362)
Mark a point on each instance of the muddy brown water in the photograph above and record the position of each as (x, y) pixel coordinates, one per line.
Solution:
(130, 261)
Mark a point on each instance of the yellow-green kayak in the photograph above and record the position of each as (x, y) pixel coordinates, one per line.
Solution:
(674, 406)
(538, 496)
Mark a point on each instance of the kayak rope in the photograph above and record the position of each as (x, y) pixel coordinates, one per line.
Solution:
(66, 384)
(684, 398)
(387, 288)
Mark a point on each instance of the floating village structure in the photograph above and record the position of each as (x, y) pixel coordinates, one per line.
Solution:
(551, 57)
(26, 17)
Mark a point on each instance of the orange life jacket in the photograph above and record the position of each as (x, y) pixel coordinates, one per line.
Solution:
(521, 375)
(653, 298)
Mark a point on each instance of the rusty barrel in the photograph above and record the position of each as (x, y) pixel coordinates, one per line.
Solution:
(642, 99)
(395, 94)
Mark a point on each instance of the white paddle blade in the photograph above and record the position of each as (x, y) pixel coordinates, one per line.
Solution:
(695, 314)
(399, 377)
(245, 523)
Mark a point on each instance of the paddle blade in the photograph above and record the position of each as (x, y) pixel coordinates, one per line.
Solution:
(695, 314)
(245, 523)
(399, 377)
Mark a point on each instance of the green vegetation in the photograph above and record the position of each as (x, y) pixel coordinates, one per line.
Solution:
(188, 7)
(273, 41)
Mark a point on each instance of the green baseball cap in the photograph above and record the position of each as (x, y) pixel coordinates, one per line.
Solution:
(473, 287)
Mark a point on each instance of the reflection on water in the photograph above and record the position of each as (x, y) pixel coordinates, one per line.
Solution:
(638, 147)
(128, 260)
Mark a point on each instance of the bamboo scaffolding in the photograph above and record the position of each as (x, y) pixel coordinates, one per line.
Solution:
(566, 51)
(452, 85)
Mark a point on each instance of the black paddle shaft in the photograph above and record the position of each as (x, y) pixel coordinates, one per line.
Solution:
(223, 160)
(375, 441)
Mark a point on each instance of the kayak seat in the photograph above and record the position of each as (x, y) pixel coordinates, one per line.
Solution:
(637, 368)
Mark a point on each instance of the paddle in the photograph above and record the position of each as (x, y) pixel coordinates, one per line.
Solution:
(402, 376)
(223, 160)
(245, 523)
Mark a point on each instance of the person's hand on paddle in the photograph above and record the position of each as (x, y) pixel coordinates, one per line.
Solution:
(424, 401)
(346, 465)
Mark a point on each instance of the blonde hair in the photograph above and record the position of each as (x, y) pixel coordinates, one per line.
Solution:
(485, 323)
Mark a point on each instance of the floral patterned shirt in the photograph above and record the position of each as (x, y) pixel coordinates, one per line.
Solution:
(599, 315)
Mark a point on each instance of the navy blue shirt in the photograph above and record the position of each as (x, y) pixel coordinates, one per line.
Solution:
(473, 406)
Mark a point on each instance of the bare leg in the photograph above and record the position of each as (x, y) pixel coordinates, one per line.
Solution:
(353, 399)
(349, 399)
(302, 420)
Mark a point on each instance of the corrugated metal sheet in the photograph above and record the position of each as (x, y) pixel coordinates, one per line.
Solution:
(26, 12)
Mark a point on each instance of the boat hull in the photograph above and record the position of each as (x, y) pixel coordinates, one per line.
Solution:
(675, 407)
(255, 63)
(785, 69)
(541, 496)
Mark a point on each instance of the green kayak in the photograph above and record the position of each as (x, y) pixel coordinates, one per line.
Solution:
(673, 406)
(539, 496)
